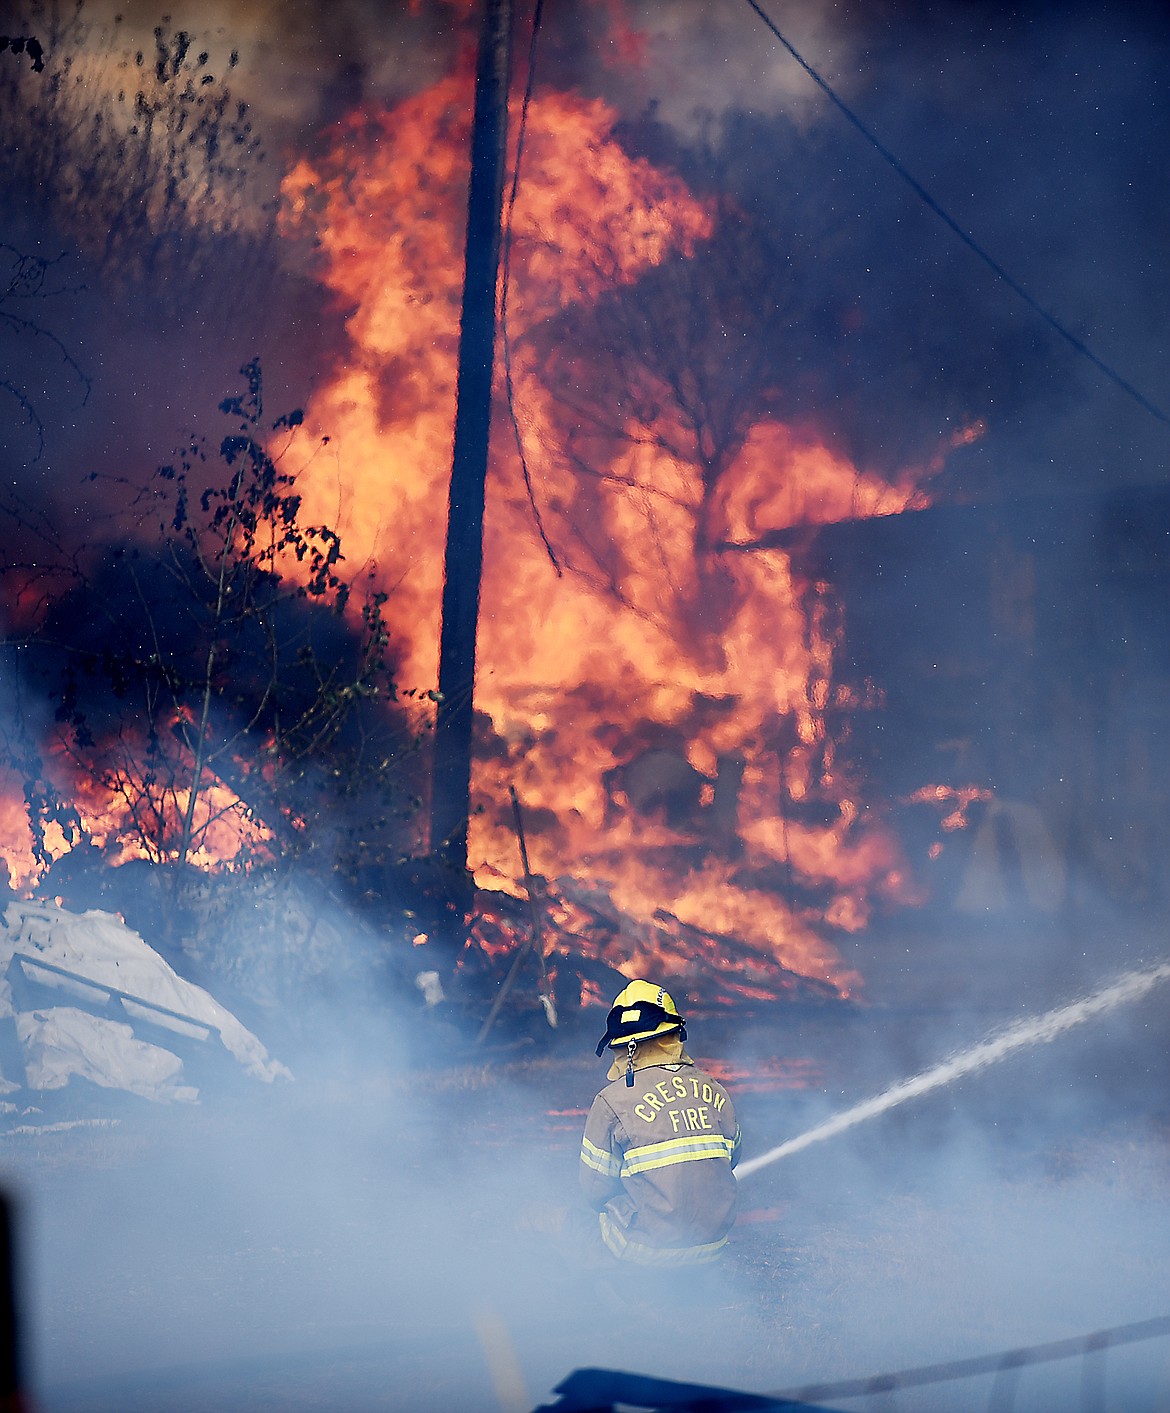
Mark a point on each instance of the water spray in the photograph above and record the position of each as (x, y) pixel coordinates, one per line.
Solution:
(1036, 1030)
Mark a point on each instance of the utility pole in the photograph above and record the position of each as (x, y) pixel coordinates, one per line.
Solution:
(451, 774)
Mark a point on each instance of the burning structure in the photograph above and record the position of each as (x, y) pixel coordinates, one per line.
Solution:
(806, 613)
(662, 679)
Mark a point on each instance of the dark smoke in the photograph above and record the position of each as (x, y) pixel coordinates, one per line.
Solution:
(339, 1240)
(1038, 134)
(1038, 129)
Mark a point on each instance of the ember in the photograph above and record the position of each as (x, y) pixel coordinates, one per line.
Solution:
(956, 801)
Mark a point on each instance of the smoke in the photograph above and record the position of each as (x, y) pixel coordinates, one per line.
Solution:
(1009, 1208)
(386, 1229)
(353, 1240)
(1038, 134)
(694, 65)
(300, 66)
(1025, 131)
(356, 1231)
(1027, 1033)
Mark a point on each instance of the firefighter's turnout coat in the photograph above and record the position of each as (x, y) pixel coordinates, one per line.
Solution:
(657, 1159)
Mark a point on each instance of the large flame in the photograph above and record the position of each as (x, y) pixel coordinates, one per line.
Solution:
(662, 708)
(662, 696)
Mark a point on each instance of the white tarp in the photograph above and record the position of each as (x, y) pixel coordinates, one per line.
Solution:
(60, 1041)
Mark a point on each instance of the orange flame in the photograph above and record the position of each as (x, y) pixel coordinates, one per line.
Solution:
(666, 709)
(224, 829)
(664, 715)
(955, 800)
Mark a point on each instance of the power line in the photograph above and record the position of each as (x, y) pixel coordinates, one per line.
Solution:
(1003, 1365)
(968, 240)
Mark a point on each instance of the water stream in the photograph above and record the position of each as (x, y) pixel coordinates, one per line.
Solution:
(1034, 1030)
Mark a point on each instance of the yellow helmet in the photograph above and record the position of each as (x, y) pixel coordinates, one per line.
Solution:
(640, 1011)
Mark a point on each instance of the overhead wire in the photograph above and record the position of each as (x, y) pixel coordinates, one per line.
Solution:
(1003, 1365)
(505, 341)
(965, 236)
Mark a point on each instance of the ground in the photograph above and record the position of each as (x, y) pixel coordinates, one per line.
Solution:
(385, 1234)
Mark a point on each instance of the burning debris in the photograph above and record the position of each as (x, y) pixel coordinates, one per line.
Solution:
(719, 722)
(662, 673)
(591, 946)
(663, 699)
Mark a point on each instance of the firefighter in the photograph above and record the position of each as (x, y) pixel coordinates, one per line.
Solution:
(660, 1141)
